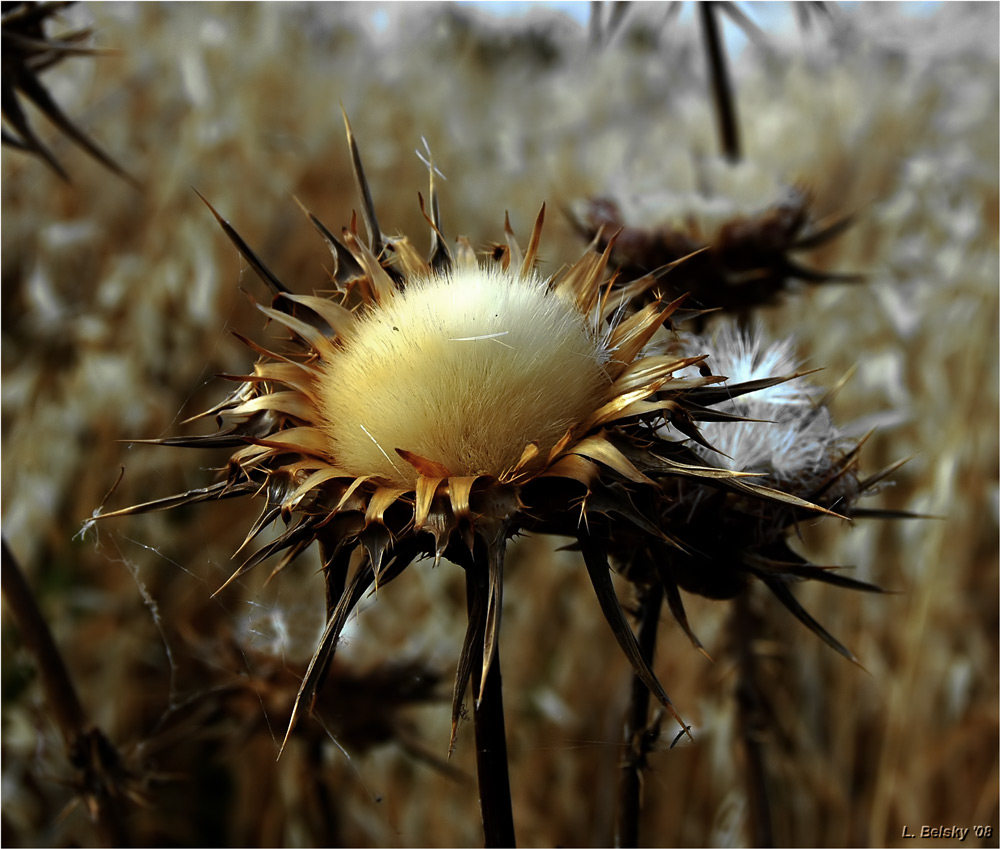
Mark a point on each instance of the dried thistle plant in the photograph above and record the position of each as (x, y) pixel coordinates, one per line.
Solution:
(438, 407)
(28, 51)
(908, 127)
(723, 542)
(787, 436)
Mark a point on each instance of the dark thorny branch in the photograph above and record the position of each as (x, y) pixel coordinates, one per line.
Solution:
(27, 52)
(101, 778)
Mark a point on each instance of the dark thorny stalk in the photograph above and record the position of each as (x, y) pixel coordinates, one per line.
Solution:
(639, 734)
(752, 721)
(100, 774)
(488, 718)
(28, 51)
(722, 90)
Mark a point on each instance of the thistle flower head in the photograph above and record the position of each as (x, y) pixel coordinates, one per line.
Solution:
(784, 433)
(789, 435)
(436, 407)
(465, 369)
(740, 258)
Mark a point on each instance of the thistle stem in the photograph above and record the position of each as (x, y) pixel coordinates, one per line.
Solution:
(752, 722)
(491, 737)
(722, 90)
(638, 734)
(88, 750)
(59, 690)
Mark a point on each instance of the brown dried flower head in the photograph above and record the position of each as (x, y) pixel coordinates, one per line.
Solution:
(737, 263)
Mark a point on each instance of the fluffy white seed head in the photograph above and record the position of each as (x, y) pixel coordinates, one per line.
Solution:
(797, 441)
(463, 369)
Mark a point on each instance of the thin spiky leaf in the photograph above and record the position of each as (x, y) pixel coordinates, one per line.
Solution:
(825, 232)
(496, 545)
(777, 496)
(782, 592)
(439, 256)
(327, 645)
(880, 513)
(229, 437)
(676, 605)
(600, 576)
(514, 255)
(38, 94)
(463, 673)
(879, 476)
(613, 499)
(223, 489)
(345, 266)
(711, 395)
(375, 239)
(784, 561)
(531, 255)
(29, 141)
(303, 530)
(254, 261)
(811, 275)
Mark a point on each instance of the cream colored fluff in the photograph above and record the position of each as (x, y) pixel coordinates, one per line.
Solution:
(794, 439)
(463, 369)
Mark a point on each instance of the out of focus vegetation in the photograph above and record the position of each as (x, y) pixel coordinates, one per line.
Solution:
(117, 311)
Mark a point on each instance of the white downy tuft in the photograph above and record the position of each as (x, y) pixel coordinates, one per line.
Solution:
(797, 443)
(464, 370)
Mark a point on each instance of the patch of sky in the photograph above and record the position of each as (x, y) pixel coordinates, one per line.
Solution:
(775, 19)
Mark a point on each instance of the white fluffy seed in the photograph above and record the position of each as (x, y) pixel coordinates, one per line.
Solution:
(463, 369)
(796, 440)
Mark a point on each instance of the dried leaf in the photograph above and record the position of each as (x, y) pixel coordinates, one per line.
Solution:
(425, 491)
(292, 404)
(309, 333)
(781, 590)
(600, 576)
(382, 499)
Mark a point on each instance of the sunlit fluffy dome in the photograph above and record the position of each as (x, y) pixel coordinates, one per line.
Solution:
(464, 370)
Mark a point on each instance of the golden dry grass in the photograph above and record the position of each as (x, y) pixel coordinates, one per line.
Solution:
(117, 308)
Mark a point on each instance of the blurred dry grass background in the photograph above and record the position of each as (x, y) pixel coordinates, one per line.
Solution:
(117, 311)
